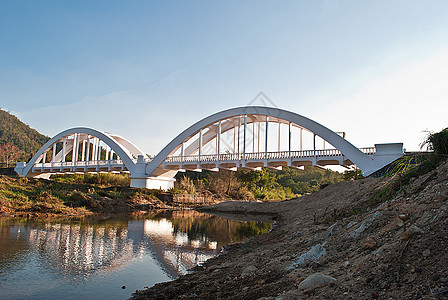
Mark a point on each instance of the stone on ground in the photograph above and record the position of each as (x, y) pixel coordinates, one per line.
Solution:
(316, 280)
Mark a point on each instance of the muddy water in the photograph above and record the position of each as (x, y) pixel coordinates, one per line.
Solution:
(108, 257)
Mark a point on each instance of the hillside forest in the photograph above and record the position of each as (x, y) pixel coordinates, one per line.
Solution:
(18, 141)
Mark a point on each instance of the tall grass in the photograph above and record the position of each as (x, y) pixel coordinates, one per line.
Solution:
(103, 179)
(437, 142)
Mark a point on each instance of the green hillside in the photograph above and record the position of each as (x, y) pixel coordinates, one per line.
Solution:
(17, 133)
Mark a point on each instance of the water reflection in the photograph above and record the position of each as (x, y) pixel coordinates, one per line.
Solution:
(98, 253)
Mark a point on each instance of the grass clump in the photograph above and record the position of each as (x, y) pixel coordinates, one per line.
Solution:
(437, 142)
(102, 179)
(400, 175)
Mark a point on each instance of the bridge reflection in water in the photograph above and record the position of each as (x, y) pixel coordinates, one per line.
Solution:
(89, 250)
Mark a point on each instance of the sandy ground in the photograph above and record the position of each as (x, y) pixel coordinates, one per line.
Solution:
(396, 249)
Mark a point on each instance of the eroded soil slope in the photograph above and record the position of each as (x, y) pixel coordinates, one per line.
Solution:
(355, 241)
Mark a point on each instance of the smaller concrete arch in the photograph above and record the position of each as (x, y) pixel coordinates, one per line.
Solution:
(123, 148)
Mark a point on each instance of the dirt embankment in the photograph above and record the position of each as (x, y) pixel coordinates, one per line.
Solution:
(338, 243)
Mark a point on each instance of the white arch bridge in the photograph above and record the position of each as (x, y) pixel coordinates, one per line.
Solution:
(250, 137)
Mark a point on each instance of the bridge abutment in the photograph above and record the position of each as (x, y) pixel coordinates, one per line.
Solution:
(139, 178)
(384, 155)
(20, 167)
(148, 182)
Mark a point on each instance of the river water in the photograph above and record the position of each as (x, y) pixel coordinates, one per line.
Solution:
(109, 257)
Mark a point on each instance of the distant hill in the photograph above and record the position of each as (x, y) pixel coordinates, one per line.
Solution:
(17, 133)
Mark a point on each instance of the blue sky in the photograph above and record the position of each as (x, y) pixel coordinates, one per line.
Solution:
(148, 69)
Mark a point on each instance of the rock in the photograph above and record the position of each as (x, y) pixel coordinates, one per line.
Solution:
(248, 271)
(297, 234)
(369, 243)
(351, 224)
(364, 225)
(330, 231)
(316, 266)
(316, 252)
(204, 295)
(410, 232)
(439, 197)
(403, 217)
(426, 253)
(316, 280)
(213, 268)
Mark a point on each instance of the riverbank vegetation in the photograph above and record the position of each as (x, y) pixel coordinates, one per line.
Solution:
(267, 184)
(79, 194)
(34, 197)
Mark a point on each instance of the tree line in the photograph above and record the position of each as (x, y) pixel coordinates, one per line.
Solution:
(267, 184)
(18, 141)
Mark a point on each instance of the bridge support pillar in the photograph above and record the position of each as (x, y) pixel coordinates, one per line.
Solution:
(147, 182)
(139, 178)
(20, 166)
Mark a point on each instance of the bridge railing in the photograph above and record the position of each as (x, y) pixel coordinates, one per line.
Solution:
(262, 155)
(368, 150)
(258, 156)
(97, 163)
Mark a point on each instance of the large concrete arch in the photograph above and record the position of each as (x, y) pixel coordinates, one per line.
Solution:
(364, 162)
(122, 147)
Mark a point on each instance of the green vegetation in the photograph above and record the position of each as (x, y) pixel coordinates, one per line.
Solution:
(16, 133)
(437, 142)
(267, 184)
(353, 174)
(198, 226)
(400, 175)
(102, 179)
(29, 196)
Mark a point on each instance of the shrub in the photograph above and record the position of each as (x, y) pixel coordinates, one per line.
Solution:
(186, 184)
(437, 142)
(353, 174)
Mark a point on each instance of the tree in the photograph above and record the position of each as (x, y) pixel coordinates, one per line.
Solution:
(10, 154)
